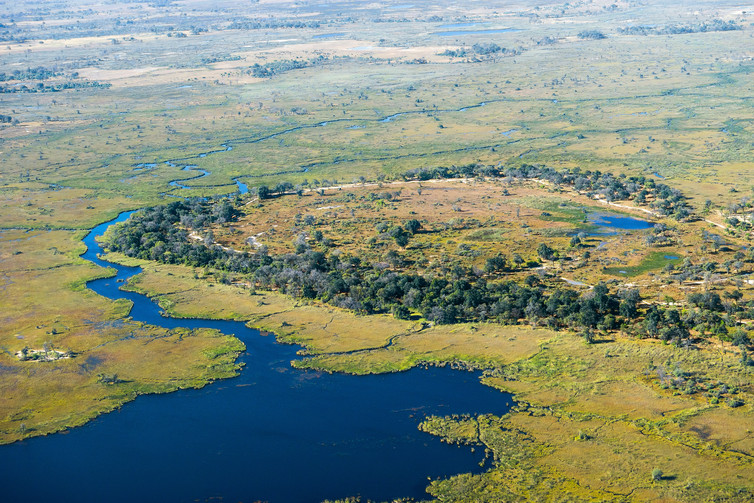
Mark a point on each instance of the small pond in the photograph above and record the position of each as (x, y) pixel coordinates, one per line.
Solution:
(461, 33)
(327, 35)
(619, 222)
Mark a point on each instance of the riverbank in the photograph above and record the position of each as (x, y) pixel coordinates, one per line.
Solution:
(682, 410)
(611, 392)
(282, 436)
(113, 359)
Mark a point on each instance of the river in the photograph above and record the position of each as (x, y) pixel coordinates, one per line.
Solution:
(273, 433)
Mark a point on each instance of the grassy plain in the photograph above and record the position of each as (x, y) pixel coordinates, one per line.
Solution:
(181, 85)
(595, 420)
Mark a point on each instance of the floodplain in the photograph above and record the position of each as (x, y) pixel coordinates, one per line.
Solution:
(121, 106)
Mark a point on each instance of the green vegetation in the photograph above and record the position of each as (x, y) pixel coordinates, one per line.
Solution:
(654, 261)
(353, 123)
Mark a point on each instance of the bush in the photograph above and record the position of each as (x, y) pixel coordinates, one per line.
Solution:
(581, 436)
(401, 312)
(591, 35)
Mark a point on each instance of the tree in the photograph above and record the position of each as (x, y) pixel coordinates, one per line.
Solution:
(740, 338)
(673, 329)
(707, 207)
(629, 299)
(283, 187)
(746, 360)
(495, 264)
(400, 235)
(652, 321)
(412, 226)
(517, 259)
(589, 336)
(545, 252)
(401, 312)
(263, 191)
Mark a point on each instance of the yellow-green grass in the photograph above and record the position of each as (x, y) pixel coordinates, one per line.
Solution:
(653, 261)
(59, 207)
(593, 425)
(45, 306)
(687, 147)
(690, 87)
(335, 334)
(183, 292)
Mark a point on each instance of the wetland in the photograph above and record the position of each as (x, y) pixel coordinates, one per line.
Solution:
(347, 434)
(380, 251)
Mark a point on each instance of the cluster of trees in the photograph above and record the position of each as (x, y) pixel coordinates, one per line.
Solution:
(265, 192)
(740, 224)
(400, 233)
(38, 73)
(161, 234)
(707, 314)
(285, 65)
(52, 88)
(591, 35)
(221, 58)
(677, 29)
(259, 24)
(665, 200)
(458, 294)
(455, 53)
(702, 272)
(386, 20)
(480, 49)
(24, 32)
(661, 235)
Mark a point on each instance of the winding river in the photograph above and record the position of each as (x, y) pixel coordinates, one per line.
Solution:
(273, 433)
(188, 163)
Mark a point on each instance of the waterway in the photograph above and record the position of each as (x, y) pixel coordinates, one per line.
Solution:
(613, 223)
(273, 433)
(461, 33)
(189, 163)
(619, 222)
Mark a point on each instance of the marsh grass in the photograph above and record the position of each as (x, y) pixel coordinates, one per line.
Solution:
(676, 105)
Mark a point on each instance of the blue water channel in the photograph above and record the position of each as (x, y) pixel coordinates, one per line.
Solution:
(614, 223)
(461, 33)
(273, 433)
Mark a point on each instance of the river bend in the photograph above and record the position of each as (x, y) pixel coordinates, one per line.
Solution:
(274, 433)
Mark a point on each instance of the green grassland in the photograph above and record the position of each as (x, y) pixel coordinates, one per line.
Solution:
(674, 105)
(627, 103)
